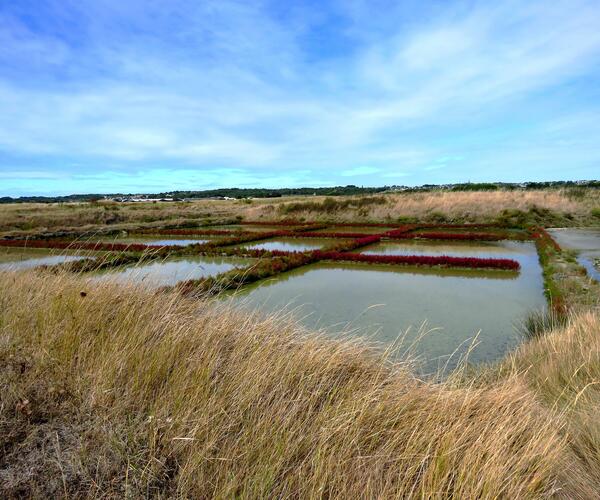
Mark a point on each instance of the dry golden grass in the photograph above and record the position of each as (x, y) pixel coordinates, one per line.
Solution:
(563, 368)
(64, 216)
(485, 206)
(117, 391)
(478, 206)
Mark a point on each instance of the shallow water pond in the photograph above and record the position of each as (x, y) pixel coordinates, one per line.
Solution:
(293, 244)
(355, 229)
(13, 259)
(383, 302)
(577, 238)
(586, 241)
(163, 241)
(171, 271)
(481, 249)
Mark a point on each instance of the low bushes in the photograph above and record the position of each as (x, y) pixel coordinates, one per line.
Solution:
(399, 232)
(541, 235)
(329, 205)
(286, 222)
(363, 224)
(348, 246)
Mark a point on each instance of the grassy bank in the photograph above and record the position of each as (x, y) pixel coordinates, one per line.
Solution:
(547, 207)
(550, 207)
(109, 391)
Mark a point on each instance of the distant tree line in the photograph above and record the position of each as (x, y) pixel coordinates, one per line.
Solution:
(240, 193)
(272, 193)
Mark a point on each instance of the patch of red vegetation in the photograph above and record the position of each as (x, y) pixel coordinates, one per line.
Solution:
(445, 261)
(288, 222)
(331, 235)
(400, 231)
(459, 226)
(366, 224)
(347, 246)
(543, 237)
(451, 236)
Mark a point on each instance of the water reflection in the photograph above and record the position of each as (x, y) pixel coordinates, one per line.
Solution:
(159, 240)
(173, 270)
(383, 302)
(294, 244)
(586, 241)
(577, 238)
(480, 249)
(13, 259)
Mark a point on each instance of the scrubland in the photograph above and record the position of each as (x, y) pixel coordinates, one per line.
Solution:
(114, 391)
(565, 207)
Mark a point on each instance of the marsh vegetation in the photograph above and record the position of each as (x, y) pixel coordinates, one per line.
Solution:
(109, 388)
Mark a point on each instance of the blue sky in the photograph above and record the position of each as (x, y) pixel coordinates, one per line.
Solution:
(148, 95)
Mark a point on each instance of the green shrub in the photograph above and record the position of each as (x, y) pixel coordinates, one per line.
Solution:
(437, 217)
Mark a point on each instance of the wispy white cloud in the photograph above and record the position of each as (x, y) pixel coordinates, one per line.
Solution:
(356, 171)
(194, 86)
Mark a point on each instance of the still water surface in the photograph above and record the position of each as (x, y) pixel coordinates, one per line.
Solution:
(383, 302)
(586, 241)
(14, 259)
(163, 241)
(480, 249)
(172, 271)
(294, 244)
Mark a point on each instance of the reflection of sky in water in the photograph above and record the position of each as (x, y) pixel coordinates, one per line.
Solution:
(29, 262)
(485, 250)
(294, 244)
(577, 238)
(587, 259)
(163, 242)
(172, 271)
(384, 301)
(584, 240)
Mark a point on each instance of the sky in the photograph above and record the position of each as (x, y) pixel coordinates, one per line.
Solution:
(105, 96)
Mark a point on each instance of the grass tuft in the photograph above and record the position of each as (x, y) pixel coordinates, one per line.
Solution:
(114, 391)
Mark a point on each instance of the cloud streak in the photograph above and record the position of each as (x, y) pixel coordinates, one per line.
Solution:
(131, 89)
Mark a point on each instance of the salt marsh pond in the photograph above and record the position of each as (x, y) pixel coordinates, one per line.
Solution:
(14, 259)
(586, 242)
(173, 270)
(384, 302)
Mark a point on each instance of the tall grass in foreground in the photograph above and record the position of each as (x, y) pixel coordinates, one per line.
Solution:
(539, 323)
(113, 391)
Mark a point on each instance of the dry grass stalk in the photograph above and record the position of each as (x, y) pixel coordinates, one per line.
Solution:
(154, 395)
